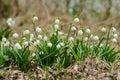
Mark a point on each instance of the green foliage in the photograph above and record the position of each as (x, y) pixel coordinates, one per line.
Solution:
(2, 60)
(5, 33)
(61, 52)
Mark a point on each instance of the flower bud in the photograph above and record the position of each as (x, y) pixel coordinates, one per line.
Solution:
(80, 32)
(15, 35)
(49, 44)
(35, 18)
(76, 20)
(17, 46)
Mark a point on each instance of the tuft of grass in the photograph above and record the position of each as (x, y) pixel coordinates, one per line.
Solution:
(55, 50)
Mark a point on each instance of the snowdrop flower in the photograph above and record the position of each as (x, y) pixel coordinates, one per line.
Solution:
(56, 26)
(96, 38)
(91, 36)
(17, 46)
(115, 35)
(76, 20)
(113, 29)
(38, 30)
(7, 43)
(4, 39)
(15, 35)
(49, 44)
(31, 35)
(41, 52)
(75, 67)
(103, 29)
(36, 42)
(58, 46)
(10, 22)
(31, 39)
(80, 32)
(73, 28)
(57, 21)
(71, 39)
(33, 54)
(101, 45)
(45, 38)
(62, 44)
(26, 32)
(86, 38)
(91, 46)
(114, 40)
(35, 18)
(25, 43)
(88, 31)
(60, 33)
(39, 37)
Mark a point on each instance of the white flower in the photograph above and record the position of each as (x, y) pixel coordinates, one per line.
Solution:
(33, 54)
(17, 46)
(36, 42)
(86, 38)
(31, 35)
(91, 36)
(75, 67)
(103, 29)
(80, 32)
(113, 29)
(115, 35)
(91, 46)
(31, 39)
(10, 22)
(58, 46)
(7, 43)
(71, 39)
(101, 45)
(25, 43)
(62, 44)
(114, 40)
(45, 38)
(35, 18)
(73, 28)
(4, 39)
(96, 38)
(49, 44)
(60, 33)
(57, 21)
(39, 37)
(26, 32)
(56, 26)
(15, 35)
(88, 31)
(76, 20)
(41, 52)
(38, 30)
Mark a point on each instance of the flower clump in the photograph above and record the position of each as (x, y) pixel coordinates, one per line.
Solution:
(58, 48)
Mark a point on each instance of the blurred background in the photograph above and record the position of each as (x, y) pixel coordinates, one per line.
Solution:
(90, 12)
